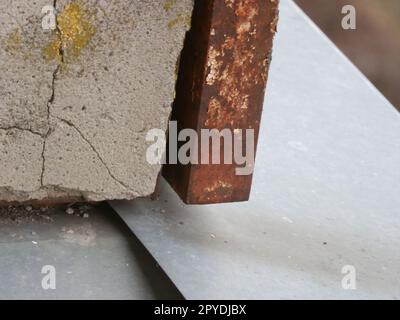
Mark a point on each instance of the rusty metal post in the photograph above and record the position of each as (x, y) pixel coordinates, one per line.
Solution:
(221, 84)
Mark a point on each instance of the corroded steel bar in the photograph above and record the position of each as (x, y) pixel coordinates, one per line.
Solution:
(221, 84)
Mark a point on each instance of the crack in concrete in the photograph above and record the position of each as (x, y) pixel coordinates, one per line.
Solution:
(60, 49)
(49, 116)
(43, 162)
(49, 102)
(53, 84)
(97, 153)
(36, 133)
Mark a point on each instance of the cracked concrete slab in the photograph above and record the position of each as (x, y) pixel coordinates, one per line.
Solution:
(76, 102)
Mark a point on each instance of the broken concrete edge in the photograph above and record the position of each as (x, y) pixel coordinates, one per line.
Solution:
(53, 193)
(221, 84)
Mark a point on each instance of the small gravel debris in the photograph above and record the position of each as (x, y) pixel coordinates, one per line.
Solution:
(23, 214)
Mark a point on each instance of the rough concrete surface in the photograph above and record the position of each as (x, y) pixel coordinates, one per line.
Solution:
(76, 102)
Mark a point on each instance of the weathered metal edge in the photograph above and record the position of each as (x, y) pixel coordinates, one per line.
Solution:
(221, 84)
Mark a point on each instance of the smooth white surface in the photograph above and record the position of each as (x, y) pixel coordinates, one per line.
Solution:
(326, 191)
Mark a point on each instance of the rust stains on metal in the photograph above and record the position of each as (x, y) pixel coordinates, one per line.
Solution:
(221, 84)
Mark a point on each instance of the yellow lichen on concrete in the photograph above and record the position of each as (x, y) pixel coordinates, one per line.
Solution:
(13, 42)
(15, 45)
(185, 19)
(169, 4)
(52, 50)
(74, 31)
(75, 28)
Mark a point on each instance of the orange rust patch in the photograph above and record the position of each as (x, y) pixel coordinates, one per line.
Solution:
(221, 85)
(236, 78)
